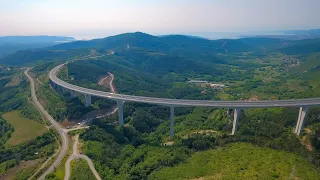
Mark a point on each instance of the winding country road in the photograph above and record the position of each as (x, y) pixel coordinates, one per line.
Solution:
(62, 133)
(76, 155)
(64, 137)
(113, 90)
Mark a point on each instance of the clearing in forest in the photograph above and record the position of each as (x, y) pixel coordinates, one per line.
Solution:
(24, 129)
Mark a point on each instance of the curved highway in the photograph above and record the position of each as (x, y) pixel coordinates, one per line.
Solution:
(180, 102)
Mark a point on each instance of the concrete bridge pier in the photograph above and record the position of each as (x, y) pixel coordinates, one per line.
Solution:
(171, 122)
(87, 100)
(72, 94)
(60, 89)
(236, 115)
(120, 112)
(51, 83)
(55, 86)
(302, 115)
(64, 90)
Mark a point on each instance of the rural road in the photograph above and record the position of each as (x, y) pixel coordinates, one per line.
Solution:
(62, 133)
(111, 83)
(76, 155)
(111, 86)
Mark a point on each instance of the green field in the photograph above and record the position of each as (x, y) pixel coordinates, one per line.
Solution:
(241, 161)
(24, 129)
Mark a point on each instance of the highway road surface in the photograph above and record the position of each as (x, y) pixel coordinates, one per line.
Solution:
(180, 102)
(76, 155)
(62, 133)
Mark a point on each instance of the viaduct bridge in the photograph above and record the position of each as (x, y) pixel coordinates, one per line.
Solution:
(303, 104)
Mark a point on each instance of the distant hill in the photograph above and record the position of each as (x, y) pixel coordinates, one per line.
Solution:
(196, 48)
(302, 47)
(169, 43)
(11, 44)
(293, 34)
(121, 41)
(30, 56)
(311, 32)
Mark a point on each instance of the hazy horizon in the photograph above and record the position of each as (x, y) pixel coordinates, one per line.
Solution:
(100, 18)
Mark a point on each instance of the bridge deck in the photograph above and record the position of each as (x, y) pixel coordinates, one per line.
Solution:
(180, 102)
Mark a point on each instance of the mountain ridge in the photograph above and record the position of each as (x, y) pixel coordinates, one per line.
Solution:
(176, 45)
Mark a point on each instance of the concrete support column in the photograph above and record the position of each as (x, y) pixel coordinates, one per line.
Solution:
(120, 112)
(55, 86)
(236, 115)
(51, 83)
(171, 122)
(72, 94)
(59, 88)
(88, 100)
(302, 115)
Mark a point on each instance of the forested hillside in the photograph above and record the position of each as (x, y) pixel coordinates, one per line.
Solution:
(248, 73)
(249, 69)
(184, 46)
(15, 146)
(25, 57)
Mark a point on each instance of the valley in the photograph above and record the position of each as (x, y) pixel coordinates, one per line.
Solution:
(160, 90)
(251, 70)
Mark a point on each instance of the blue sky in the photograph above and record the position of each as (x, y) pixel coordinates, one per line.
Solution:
(99, 18)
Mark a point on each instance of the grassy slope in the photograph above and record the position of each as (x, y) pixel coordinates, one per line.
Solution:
(241, 161)
(24, 129)
(81, 170)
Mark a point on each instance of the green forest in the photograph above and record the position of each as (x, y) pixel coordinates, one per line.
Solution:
(142, 148)
(14, 92)
(264, 147)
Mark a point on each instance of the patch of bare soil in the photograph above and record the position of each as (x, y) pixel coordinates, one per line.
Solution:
(94, 114)
(254, 98)
(214, 177)
(107, 82)
(10, 174)
(42, 102)
(306, 140)
(67, 123)
(33, 75)
(93, 52)
(206, 132)
(15, 81)
(169, 143)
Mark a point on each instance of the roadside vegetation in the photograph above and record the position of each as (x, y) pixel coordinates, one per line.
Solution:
(81, 170)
